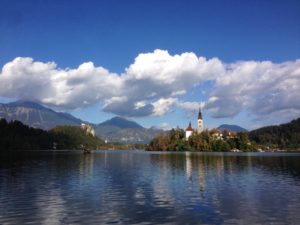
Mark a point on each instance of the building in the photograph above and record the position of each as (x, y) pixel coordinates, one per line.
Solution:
(188, 131)
(88, 129)
(216, 134)
(200, 126)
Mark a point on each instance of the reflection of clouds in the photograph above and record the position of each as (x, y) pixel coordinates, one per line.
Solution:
(136, 192)
(51, 207)
(161, 191)
(139, 196)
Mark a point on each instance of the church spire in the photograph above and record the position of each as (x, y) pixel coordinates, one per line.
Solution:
(200, 114)
(200, 127)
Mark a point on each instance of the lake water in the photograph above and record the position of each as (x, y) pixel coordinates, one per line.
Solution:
(136, 187)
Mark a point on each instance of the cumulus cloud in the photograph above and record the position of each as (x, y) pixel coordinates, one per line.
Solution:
(163, 105)
(46, 83)
(155, 83)
(264, 88)
(190, 106)
(156, 78)
(163, 126)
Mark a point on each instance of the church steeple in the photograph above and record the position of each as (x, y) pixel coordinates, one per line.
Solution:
(200, 122)
(200, 114)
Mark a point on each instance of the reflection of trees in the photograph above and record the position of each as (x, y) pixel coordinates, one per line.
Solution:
(86, 166)
(201, 171)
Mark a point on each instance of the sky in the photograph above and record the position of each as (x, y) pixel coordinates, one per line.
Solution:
(155, 62)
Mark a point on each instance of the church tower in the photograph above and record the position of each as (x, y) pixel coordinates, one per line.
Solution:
(200, 127)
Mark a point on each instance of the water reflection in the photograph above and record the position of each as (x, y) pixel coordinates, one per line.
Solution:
(86, 166)
(189, 166)
(201, 171)
(149, 188)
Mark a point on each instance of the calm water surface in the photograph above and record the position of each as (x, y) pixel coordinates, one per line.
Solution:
(136, 187)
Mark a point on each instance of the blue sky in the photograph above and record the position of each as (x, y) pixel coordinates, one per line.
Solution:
(112, 34)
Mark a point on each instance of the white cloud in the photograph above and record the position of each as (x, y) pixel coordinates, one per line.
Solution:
(176, 93)
(139, 104)
(156, 78)
(264, 88)
(174, 74)
(163, 126)
(190, 106)
(155, 83)
(163, 105)
(44, 82)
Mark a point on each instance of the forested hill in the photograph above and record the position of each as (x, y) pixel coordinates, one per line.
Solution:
(285, 136)
(16, 136)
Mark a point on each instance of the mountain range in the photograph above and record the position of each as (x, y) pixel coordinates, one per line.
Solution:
(36, 115)
(117, 129)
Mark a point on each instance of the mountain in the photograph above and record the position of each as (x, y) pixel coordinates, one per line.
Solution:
(119, 129)
(120, 122)
(232, 128)
(36, 115)
(284, 136)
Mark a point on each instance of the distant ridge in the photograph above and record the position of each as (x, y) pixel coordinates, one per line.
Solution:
(27, 104)
(36, 115)
(120, 122)
(116, 129)
(233, 128)
(119, 129)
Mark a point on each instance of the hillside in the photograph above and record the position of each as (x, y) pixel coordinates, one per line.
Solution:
(36, 115)
(233, 128)
(16, 136)
(284, 136)
(72, 137)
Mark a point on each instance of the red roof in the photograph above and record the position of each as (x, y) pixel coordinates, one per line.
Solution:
(189, 128)
(215, 131)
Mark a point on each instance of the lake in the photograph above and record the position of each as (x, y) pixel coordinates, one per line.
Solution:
(137, 187)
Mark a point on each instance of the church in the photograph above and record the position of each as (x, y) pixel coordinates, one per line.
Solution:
(189, 130)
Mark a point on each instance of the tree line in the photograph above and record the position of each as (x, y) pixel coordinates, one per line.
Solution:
(16, 136)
